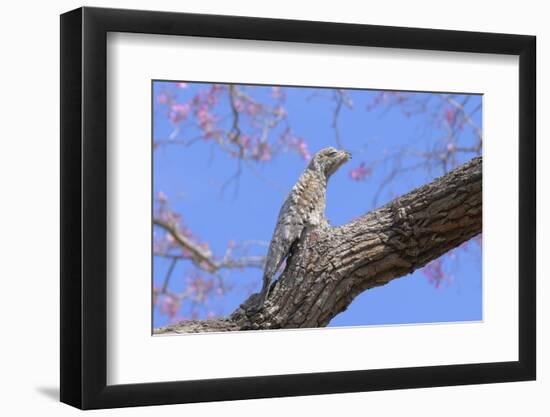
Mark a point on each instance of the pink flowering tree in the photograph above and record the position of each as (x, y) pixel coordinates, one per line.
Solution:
(252, 132)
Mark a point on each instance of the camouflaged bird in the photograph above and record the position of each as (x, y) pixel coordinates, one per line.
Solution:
(304, 207)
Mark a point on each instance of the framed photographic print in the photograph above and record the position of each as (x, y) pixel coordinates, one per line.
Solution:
(257, 207)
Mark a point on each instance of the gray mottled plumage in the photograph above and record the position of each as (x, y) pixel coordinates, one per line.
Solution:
(304, 207)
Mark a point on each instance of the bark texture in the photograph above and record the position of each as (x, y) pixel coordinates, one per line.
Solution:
(330, 267)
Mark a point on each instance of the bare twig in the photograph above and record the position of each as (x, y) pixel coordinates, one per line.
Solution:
(467, 117)
(168, 276)
(199, 256)
(202, 258)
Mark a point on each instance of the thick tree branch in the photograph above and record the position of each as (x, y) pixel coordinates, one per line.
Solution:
(329, 268)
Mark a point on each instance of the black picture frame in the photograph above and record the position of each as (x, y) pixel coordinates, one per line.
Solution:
(84, 207)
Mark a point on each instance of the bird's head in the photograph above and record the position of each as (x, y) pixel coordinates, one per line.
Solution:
(328, 160)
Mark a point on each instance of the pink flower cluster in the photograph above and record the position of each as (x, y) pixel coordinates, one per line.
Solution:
(203, 104)
(262, 152)
(239, 105)
(253, 109)
(454, 117)
(278, 93)
(199, 288)
(206, 121)
(280, 112)
(435, 274)
(164, 98)
(170, 306)
(162, 198)
(386, 98)
(299, 145)
(450, 113)
(254, 149)
(360, 173)
(178, 112)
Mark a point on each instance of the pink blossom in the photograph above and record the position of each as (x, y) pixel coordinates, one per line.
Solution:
(206, 248)
(435, 274)
(179, 112)
(306, 156)
(246, 141)
(169, 216)
(383, 97)
(298, 145)
(360, 173)
(200, 288)
(170, 306)
(279, 111)
(204, 118)
(210, 97)
(163, 98)
(253, 109)
(239, 106)
(182, 85)
(262, 152)
(162, 198)
(155, 295)
(450, 115)
(277, 93)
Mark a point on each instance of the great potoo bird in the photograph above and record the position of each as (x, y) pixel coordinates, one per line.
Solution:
(303, 208)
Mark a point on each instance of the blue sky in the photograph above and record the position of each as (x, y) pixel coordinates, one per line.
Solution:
(192, 178)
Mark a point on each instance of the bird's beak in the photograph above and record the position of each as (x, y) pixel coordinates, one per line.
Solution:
(348, 154)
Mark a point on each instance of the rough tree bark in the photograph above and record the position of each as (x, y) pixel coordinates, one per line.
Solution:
(329, 268)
